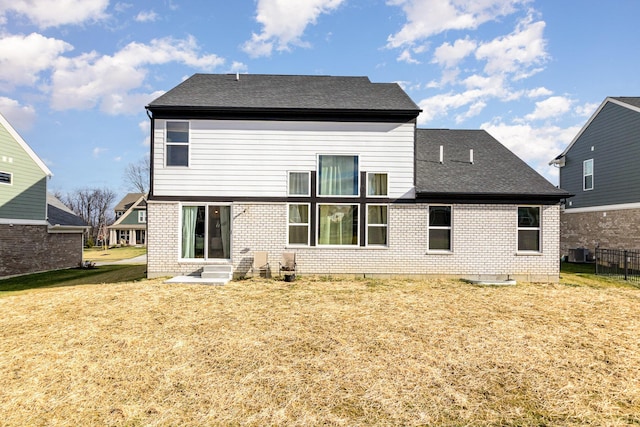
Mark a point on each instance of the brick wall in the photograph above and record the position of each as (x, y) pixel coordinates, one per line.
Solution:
(616, 229)
(484, 244)
(31, 248)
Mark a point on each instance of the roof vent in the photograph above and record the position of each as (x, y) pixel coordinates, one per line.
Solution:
(237, 76)
(471, 155)
(441, 154)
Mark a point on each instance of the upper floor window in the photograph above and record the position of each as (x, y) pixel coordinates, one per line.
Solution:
(299, 184)
(439, 228)
(377, 184)
(338, 175)
(6, 178)
(529, 228)
(177, 144)
(142, 216)
(587, 174)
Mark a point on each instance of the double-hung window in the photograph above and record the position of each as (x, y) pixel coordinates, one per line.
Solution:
(6, 178)
(587, 175)
(298, 219)
(142, 216)
(529, 228)
(377, 225)
(177, 143)
(440, 228)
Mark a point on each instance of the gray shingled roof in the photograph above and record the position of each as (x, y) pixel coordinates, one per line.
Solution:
(631, 100)
(58, 214)
(127, 201)
(289, 92)
(495, 171)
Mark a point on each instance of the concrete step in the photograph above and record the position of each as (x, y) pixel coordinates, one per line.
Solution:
(217, 271)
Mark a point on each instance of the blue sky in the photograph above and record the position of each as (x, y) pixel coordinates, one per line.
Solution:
(75, 75)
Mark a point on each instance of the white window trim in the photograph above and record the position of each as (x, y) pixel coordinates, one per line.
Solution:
(10, 178)
(187, 144)
(539, 228)
(386, 226)
(439, 227)
(585, 175)
(206, 233)
(308, 184)
(308, 224)
(317, 230)
(367, 189)
(352, 196)
(142, 216)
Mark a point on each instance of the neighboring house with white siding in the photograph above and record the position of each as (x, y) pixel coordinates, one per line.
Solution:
(600, 167)
(37, 232)
(335, 170)
(130, 227)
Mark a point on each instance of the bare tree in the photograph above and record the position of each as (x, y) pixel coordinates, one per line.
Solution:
(137, 175)
(92, 205)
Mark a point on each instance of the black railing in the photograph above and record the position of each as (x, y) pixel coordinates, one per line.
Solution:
(618, 263)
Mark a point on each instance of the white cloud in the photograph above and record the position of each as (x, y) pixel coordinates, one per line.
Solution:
(21, 117)
(97, 151)
(147, 16)
(284, 22)
(515, 53)
(587, 109)
(448, 55)
(23, 58)
(88, 80)
(535, 145)
(406, 56)
(551, 107)
(47, 13)
(538, 92)
(426, 18)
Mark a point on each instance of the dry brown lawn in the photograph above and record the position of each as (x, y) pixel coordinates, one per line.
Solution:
(321, 352)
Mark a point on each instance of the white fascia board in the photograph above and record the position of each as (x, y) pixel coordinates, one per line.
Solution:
(25, 146)
(23, 221)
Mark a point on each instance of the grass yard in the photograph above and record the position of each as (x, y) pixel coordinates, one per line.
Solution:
(113, 254)
(322, 352)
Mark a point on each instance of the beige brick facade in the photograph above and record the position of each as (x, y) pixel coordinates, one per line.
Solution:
(612, 229)
(484, 240)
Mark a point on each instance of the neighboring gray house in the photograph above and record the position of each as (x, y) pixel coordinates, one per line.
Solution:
(600, 167)
(37, 232)
(130, 227)
(335, 170)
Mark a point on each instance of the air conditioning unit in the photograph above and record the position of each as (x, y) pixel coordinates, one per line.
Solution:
(578, 255)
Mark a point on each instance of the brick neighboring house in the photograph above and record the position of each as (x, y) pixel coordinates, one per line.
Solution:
(38, 233)
(335, 170)
(130, 227)
(600, 167)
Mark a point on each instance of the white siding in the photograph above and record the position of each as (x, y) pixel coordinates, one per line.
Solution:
(252, 158)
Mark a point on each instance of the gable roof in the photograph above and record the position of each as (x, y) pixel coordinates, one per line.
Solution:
(285, 93)
(630, 102)
(128, 200)
(495, 174)
(59, 215)
(25, 146)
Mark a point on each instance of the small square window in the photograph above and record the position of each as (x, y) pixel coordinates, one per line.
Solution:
(299, 184)
(377, 184)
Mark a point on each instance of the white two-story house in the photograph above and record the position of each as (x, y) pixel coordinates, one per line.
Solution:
(335, 170)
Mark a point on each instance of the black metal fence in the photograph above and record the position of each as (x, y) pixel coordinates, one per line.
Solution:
(618, 263)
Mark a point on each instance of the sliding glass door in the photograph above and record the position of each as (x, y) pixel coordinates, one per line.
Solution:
(206, 232)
